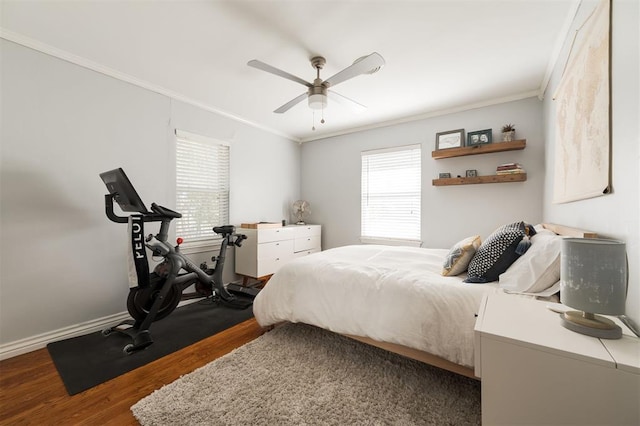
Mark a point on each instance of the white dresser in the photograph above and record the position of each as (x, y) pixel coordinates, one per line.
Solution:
(265, 250)
(536, 372)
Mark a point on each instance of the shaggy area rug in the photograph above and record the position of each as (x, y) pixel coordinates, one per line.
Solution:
(301, 375)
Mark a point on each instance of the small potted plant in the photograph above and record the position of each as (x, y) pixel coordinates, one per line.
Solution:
(508, 132)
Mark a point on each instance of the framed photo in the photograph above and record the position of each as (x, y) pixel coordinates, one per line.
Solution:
(472, 173)
(444, 175)
(479, 137)
(450, 139)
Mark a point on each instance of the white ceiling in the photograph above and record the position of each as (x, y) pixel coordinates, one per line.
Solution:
(440, 55)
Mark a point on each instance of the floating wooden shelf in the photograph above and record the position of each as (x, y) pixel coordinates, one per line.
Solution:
(479, 149)
(520, 177)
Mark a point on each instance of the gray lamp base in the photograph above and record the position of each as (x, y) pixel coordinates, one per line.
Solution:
(591, 325)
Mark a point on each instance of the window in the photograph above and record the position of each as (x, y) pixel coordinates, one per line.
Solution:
(391, 194)
(202, 186)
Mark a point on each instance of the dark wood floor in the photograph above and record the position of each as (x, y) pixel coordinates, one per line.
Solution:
(31, 391)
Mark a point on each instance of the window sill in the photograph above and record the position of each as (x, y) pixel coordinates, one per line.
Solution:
(390, 241)
(200, 247)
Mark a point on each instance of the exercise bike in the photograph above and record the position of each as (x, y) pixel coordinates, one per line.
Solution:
(155, 295)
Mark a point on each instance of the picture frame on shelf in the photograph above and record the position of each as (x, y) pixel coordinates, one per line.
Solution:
(472, 173)
(444, 175)
(479, 137)
(450, 139)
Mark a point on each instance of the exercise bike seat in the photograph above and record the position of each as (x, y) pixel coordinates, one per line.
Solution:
(163, 211)
(224, 230)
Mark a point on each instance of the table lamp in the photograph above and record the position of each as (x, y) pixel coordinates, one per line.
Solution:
(593, 279)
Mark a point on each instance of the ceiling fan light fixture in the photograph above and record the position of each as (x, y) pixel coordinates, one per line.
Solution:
(317, 91)
(317, 101)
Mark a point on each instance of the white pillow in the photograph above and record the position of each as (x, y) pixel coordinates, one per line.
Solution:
(538, 268)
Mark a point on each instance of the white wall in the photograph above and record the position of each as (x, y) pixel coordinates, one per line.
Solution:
(615, 215)
(331, 176)
(62, 261)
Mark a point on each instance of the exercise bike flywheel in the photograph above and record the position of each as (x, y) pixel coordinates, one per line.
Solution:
(141, 300)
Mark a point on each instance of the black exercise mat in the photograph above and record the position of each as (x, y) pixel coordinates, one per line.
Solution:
(86, 361)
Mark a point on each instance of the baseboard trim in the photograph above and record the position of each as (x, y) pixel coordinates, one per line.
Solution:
(39, 341)
(29, 344)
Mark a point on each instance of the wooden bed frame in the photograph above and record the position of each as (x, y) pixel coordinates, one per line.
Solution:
(567, 231)
(439, 362)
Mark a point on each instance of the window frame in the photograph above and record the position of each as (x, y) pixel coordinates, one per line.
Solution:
(414, 240)
(201, 243)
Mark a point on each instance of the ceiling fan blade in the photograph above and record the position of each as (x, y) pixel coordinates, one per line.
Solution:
(356, 106)
(273, 70)
(368, 63)
(286, 107)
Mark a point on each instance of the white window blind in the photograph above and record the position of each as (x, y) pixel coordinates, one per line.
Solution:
(391, 182)
(202, 186)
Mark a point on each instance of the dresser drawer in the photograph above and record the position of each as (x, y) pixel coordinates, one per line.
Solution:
(307, 230)
(268, 266)
(275, 234)
(275, 249)
(305, 253)
(306, 243)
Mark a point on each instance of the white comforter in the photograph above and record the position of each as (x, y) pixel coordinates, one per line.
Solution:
(389, 294)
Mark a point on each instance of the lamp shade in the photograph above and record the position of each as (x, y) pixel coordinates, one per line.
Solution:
(593, 275)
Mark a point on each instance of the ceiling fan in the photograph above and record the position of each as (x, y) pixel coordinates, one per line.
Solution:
(318, 91)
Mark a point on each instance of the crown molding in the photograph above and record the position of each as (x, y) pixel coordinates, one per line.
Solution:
(557, 50)
(99, 68)
(431, 114)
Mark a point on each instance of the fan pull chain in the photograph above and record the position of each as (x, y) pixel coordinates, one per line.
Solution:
(313, 125)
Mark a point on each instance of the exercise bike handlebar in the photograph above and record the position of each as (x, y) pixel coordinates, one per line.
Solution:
(165, 215)
(163, 211)
(239, 239)
(159, 213)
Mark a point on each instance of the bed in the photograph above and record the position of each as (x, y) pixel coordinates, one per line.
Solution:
(397, 298)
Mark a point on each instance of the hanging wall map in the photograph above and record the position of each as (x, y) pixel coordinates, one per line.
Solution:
(582, 148)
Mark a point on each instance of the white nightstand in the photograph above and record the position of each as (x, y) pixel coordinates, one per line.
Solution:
(534, 371)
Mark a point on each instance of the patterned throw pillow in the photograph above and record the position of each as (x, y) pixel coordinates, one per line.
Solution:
(498, 252)
(460, 255)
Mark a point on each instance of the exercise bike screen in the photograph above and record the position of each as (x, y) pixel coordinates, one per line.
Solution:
(122, 190)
